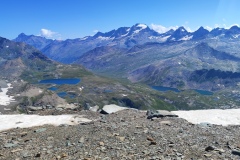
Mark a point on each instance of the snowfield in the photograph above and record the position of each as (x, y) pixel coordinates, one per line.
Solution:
(213, 116)
(25, 121)
(4, 98)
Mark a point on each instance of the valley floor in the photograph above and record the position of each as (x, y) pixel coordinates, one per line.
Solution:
(126, 134)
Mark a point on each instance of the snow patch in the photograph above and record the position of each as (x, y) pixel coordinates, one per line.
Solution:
(125, 34)
(236, 36)
(137, 31)
(153, 37)
(213, 116)
(84, 38)
(161, 39)
(161, 29)
(222, 35)
(104, 38)
(165, 38)
(215, 38)
(143, 26)
(25, 121)
(4, 98)
(186, 38)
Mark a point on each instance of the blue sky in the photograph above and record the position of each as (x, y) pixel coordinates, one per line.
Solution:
(64, 19)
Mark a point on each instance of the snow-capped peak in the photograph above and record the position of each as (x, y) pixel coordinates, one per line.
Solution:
(138, 27)
(182, 29)
(143, 26)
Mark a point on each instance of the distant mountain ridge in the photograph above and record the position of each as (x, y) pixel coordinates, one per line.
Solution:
(36, 41)
(67, 51)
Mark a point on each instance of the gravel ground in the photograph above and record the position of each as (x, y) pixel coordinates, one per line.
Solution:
(127, 134)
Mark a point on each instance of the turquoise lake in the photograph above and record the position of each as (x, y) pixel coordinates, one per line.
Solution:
(164, 89)
(61, 81)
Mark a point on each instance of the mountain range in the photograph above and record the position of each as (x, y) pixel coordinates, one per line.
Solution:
(174, 58)
(69, 50)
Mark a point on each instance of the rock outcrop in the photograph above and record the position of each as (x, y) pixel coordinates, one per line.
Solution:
(159, 113)
(112, 108)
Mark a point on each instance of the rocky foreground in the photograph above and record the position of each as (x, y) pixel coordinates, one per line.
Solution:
(126, 134)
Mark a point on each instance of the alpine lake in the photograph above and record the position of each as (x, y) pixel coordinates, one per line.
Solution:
(72, 81)
(57, 82)
(164, 89)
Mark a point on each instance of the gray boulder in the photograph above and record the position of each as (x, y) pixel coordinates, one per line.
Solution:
(3, 84)
(32, 108)
(236, 152)
(112, 108)
(87, 106)
(94, 109)
(159, 113)
(49, 106)
(67, 106)
(205, 124)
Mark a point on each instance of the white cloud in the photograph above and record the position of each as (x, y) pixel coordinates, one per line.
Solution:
(188, 28)
(208, 28)
(161, 29)
(225, 26)
(95, 31)
(47, 33)
(216, 25)
(50, 34)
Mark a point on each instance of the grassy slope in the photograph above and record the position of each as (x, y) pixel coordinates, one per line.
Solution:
(98, 90)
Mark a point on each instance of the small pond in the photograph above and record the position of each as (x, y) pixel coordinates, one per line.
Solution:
(62, 94)
(203, 92)
(53, 88)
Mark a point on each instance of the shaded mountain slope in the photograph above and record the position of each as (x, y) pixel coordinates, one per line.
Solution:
(180, 70)
(15, 58)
